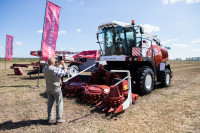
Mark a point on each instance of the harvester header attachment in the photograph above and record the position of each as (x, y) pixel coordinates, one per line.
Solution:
(107, 89)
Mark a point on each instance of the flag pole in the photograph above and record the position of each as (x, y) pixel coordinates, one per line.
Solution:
(41, 44)
(5, 53)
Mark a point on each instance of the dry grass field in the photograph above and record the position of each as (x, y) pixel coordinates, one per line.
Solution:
(172, 109)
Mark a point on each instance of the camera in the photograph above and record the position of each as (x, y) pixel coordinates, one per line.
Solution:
(60, 58)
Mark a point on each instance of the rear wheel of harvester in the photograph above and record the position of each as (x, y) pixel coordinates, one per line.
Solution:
(144, 80)
(74, 69)
(166, 78)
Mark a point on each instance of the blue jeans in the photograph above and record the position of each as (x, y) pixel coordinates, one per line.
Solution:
(59, 105)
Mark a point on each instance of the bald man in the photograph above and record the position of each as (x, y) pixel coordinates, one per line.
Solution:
(53, 76)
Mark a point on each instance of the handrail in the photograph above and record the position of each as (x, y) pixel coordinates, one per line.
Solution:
(68, 69)
(79, 73)
(128, 101)
(120, 81)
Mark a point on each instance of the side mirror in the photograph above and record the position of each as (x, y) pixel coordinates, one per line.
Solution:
(141, 30)
(97, 36)
(144, 41)
(98, 32)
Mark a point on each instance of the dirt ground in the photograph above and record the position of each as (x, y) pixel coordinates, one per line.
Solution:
(172, 109)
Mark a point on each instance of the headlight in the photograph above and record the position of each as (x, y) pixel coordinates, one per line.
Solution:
(106, 90)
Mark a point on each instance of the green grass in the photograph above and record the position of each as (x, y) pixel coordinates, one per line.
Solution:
(25, 114)
(165, 95)
(18, 60)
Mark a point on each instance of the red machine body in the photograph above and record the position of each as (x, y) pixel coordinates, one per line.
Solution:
(91, 54)
(18, 71)
(19, 65)
(77, 60)
(75, 57)
(161, 54)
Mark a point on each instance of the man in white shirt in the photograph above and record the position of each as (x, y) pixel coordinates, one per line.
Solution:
(53, 76)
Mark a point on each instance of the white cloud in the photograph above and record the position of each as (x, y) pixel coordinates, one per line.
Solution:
(39, 31)
(1, 47)
(19, 43)
(180, 45)
(165, 2)
(62, 32)
(192, 1)
(196, 50)
(163, 42)
(196, 41)
(174, 1)
(82, 3)
(78, 30)
(172, 40)
(150, 28)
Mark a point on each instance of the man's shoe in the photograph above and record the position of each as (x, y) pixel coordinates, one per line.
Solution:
(50, 121)
(60, 121)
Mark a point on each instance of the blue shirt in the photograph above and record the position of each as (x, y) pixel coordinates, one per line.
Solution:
(59, 72)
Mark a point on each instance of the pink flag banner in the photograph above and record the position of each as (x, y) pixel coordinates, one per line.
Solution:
(50, 32)
(9, 47)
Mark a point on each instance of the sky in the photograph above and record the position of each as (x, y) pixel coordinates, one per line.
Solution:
(175, 22)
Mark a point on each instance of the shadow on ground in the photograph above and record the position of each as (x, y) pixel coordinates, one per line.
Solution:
(107, 116)
(79, 118)
(44, 95)
(93, 109)
(11, 74)
(32, 78)
(14, 125)
(17, 86)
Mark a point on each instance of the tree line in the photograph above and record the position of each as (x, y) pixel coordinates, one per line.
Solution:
(189, 59)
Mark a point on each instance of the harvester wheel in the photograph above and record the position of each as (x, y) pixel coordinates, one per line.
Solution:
(74, 69)
(166, 78)
(145, 80)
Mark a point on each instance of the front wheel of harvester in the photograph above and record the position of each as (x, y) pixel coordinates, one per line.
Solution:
(74, 69)
(166, 78)
(145, 80)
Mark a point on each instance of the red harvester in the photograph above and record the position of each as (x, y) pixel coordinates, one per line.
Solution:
(135, 63)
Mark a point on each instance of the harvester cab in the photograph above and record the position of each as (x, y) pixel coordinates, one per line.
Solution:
(118, 38)
(127, 47)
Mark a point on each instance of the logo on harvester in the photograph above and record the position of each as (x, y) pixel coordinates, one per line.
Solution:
(155, 51)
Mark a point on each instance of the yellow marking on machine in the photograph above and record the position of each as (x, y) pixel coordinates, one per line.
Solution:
(125, 87)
